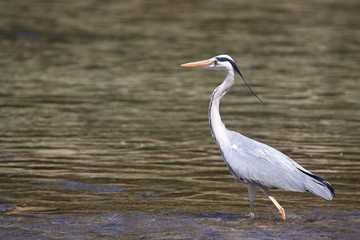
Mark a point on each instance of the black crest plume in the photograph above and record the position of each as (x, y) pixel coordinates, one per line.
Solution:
(236, 68)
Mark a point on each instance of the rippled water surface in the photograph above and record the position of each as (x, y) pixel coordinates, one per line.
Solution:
(104, 136)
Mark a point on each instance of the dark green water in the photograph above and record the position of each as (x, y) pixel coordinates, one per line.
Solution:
(104, 136)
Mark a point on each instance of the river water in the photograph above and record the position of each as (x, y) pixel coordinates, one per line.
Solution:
(104, 136)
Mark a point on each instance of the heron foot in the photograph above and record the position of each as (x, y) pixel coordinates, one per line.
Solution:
(279, 207)
(250, 215)
(282, 213)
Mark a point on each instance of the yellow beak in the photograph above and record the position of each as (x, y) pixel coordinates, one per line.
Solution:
(203, 63)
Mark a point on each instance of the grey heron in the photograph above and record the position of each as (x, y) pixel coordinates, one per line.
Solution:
(255, 164)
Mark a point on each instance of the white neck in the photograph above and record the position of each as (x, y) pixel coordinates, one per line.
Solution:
(217, 127)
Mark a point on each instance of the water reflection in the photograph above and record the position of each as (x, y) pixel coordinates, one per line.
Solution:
(102, 134)
(137, 225)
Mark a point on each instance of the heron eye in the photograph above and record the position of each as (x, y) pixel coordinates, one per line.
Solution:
(216, 61)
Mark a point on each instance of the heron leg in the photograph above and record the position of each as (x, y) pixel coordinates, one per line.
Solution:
(278, 206)
(251, 189)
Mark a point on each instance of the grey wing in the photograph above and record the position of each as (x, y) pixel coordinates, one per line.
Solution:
(260, 164)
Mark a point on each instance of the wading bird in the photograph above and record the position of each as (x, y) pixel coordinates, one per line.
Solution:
(253, 163)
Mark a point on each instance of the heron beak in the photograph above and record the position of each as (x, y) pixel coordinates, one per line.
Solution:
(204, 63)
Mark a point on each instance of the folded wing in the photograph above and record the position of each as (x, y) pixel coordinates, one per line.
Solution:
(257, 163)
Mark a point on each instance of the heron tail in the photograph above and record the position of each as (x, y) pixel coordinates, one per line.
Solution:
(319, 186)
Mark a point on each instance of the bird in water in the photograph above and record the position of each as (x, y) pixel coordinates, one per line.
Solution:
(255, 164)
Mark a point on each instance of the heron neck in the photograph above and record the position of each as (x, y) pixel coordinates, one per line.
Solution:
(218, 129)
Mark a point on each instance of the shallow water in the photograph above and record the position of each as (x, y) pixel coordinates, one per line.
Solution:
(103, 135)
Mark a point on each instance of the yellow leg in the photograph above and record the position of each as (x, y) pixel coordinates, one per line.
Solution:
(281, 209)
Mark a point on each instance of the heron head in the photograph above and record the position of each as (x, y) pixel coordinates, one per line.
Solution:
(221, 62)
